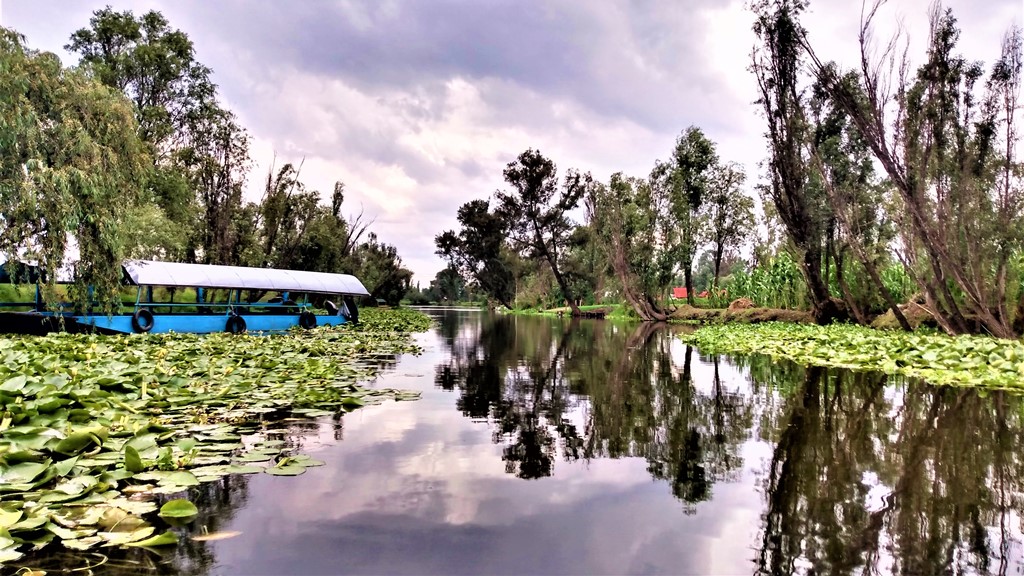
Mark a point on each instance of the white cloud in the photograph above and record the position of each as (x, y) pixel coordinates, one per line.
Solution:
(418, 108)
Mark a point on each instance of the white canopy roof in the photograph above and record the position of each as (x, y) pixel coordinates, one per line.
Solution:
(152, 273)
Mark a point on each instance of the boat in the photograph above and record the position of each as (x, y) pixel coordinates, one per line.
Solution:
(233, 299)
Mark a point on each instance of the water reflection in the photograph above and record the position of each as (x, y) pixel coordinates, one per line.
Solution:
(864, 473)
(631, 396)
(897, 477)
(557, 447)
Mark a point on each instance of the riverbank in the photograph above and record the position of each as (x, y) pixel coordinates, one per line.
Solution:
(739, 315)
(936, 358)
(684, 314)
(605, 311)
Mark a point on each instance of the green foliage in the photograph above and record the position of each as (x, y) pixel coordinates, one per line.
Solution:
(960, 361)
(478, 251)
(380, 269)
(774, 284)
(730, 212)
(637, 232)
(536, 213)
(71, 171)
(92, 423)
(153, 65)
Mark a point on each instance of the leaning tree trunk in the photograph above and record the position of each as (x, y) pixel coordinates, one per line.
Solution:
(824, 308)
(552, 260)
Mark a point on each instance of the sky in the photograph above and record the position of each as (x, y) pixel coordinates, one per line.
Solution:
(418, 105)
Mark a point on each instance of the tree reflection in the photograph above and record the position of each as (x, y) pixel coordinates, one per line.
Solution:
(866, 473)
(878, 476)
(597, 390)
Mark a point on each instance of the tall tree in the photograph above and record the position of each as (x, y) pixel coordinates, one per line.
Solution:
(151, 63)
(845, 170)
(730, 212)
(478, 251)
(217, 164)
(637, 233)
(688, 177)
(71, 170)
(198, 149)
(952, 163)
(777, 61)
(537, 212)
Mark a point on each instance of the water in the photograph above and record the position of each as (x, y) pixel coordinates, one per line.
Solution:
(546, 446)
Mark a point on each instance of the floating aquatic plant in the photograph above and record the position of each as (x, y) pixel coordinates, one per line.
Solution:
(939, 359)
(94, 428)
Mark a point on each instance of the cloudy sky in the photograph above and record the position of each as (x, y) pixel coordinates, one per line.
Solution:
(417, 105)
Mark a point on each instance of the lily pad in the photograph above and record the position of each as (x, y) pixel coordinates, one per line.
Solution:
(179, 508)
(286, 470)
(165, 539)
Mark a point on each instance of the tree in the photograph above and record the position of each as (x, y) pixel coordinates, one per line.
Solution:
(478, 251)
(154, 66)
(844, 168)
(379, 267)
(448, 285)
(330, 239)
(688, 177)
(70, 173)
(776, 65)
(199, 151)
(283, 218)
(952, 163)
(538, 222)
(217, 163)
(730, 212)
(632, 220)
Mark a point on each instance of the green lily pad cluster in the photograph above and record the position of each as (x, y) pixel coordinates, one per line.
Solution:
(94, 430)
(939, 359)
(401, 320)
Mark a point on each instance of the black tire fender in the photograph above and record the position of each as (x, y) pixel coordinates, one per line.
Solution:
(235, 325)
(353, 310)
(307, 319)
(142, 320)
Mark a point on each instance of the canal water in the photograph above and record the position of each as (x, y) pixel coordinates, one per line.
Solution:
(552, 446)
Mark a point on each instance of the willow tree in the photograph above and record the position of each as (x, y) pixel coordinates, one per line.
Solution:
(72, 167)
(948, 148)
(199, 150)
(777, 62)
(639, 237)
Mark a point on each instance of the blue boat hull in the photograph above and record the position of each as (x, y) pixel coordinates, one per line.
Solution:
(42, 323)
(201, 323)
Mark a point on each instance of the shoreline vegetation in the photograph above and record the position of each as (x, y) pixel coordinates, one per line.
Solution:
(965, 360)
(98, 431)
(881, 196)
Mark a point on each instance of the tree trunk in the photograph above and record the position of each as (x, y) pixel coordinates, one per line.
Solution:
(851, 302)
(688, 276)
(1018, 315)
(886, 294)
(824, 308)
(719, 252)
(550, 257)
